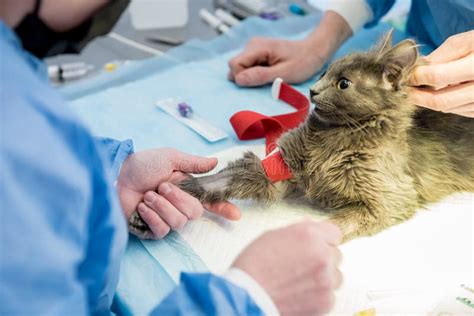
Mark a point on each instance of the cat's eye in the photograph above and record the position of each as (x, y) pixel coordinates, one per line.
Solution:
(343, 83)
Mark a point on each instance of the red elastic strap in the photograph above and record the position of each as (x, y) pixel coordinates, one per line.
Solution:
(276, 168)
(252, 125)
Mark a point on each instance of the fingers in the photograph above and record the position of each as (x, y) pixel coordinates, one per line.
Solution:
(444, 74)
(332, 234)
(329, 278)
(190, 163)
(446, 99)
(325, 230)
(455, 47)
(337, 256)
(170, 209)
(224, 209)
(182, 201)
(257, 64)
(177, 177)
(249, 58)
(256, 53)
(258, 75)
(324, 301)
(264, 60)
(165, 210)
(466, 108)
(158, 227)
(339, 278)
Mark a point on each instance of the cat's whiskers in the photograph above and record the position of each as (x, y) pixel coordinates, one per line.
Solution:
(352, 123)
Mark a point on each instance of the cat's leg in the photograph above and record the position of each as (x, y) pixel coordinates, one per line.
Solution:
(356, 222)
(362, 221)
(243, 178)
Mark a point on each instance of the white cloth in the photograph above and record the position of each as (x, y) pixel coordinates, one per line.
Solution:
(355, 12)
(256, 292)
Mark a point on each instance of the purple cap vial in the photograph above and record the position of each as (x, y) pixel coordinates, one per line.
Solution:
(184, 109)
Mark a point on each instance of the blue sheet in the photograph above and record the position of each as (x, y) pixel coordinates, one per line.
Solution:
(122, 105)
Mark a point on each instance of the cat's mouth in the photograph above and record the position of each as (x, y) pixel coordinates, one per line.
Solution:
(322, 109)
(324, 117)
(327, 114)
(324, 112)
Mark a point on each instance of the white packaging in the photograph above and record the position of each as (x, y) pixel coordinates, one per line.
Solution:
(153, 14)
(195, 122)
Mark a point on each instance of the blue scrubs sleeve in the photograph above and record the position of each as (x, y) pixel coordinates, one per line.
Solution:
(379, 9)
(62, 230)
(114, 152)
(207, 294)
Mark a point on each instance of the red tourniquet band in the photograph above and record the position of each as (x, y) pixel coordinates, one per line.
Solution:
(276, 168)
(252, 125)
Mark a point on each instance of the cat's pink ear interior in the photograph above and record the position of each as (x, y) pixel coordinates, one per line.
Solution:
(398, 62)
(404, 54)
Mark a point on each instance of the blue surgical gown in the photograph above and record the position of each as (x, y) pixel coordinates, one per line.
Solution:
(431, 21)
(62, 229)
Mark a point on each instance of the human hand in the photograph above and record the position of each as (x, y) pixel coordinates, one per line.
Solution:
(146, 184)
(265, 59)
(297, 266)
(449, 76)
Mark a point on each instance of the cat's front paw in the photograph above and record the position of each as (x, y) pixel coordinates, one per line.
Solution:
(243, 178)
(138, 227)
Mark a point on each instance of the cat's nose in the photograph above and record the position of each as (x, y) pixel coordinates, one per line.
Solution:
(312, 94)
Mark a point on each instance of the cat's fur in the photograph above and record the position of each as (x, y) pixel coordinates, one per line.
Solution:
(366, 154)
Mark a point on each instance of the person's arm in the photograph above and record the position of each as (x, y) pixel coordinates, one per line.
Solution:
(61, 16)
(361, 13)
(41, 250)
(292, 270)
(114, 152)
(265, 59)
(59, 228)
(207, 294)
(356, 14)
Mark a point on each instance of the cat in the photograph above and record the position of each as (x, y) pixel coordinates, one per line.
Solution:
(366, 154)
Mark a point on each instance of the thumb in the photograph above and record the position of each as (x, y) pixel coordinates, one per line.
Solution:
(193, 164)
(224, 209)
(251, 56)
(257, 76)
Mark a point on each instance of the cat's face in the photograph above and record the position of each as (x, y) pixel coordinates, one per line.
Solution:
(363, 85)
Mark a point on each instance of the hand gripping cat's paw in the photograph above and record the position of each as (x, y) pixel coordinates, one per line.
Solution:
(243, 178)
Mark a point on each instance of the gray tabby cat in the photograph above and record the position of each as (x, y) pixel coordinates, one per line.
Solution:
(366, 154)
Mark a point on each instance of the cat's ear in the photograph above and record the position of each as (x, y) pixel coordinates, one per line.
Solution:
(385, 43)
(399, 61)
